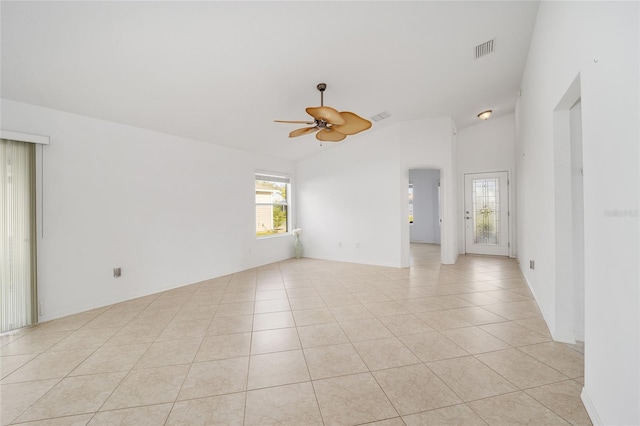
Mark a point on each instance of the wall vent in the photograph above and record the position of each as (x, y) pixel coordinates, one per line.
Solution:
(484, 48)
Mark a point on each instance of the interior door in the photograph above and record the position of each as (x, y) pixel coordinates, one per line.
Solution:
(486, 213)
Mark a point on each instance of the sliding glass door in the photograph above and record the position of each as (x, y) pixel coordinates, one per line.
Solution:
(18, 298)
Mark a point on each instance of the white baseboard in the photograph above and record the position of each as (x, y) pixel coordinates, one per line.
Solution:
(590, 407)
(564, 338)
(535, 297)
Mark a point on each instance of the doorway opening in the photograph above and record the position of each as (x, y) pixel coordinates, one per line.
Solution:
(425, 216)
(569, 217)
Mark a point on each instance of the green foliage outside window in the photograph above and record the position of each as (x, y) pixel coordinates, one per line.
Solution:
(271, 206)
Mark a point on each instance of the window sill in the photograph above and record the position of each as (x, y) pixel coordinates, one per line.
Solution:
(267, 237)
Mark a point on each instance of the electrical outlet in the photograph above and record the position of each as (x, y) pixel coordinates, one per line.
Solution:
(532, 264)
(117, 272)
(41, 309)
(357, 245)
(340, 244)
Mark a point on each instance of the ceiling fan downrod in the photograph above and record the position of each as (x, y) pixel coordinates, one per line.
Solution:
(322, 87)
(322, 124)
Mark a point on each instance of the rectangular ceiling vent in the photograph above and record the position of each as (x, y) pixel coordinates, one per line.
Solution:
(381, 116)
(484, 48)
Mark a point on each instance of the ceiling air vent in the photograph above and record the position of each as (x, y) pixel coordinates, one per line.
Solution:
(484, 48)
(381, 116)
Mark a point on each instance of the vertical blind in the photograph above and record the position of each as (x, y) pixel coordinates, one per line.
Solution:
(18, 301)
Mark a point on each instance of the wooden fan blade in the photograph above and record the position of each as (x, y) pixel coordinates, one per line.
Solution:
(328, 114)
(295, 121)
(353, 124)
(330, 136)
(303, 131)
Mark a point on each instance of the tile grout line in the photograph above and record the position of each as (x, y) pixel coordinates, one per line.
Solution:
(173, 404)
(351, 284)
(246, 385)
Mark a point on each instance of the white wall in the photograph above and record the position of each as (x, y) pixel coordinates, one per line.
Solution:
(169, 211)
(426, 207)
(349, 206)
(488, 146)
(599, 42)
(353, 197)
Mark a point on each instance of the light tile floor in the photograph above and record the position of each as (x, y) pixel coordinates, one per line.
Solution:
(304, 342)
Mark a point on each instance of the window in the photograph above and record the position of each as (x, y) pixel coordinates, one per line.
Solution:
(272, 205)
(410, 203)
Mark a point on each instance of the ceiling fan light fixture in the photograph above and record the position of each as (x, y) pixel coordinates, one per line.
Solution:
(484, 115)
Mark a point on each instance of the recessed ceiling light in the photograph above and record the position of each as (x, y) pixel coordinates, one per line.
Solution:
(485, 114)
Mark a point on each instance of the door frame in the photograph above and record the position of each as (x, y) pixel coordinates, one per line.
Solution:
(444, 244)
(569, 294)
(449, 232)
(439, 206)
(510, 210)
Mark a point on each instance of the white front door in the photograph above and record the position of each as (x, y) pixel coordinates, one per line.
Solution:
(486, 213)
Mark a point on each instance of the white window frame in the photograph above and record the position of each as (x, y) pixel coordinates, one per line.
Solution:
(277, 178)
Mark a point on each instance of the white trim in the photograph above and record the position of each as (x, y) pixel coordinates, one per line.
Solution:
(590, 407)
(24, 137)
(564, 338)
(273, 176)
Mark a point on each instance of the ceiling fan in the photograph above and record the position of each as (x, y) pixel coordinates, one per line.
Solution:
(330, 124)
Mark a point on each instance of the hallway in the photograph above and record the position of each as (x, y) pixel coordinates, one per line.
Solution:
(305, 341)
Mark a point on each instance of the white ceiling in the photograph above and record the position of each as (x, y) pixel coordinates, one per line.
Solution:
(221, 72)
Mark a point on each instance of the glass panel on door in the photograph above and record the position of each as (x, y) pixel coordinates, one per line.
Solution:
(486, 201)
(486, 211)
